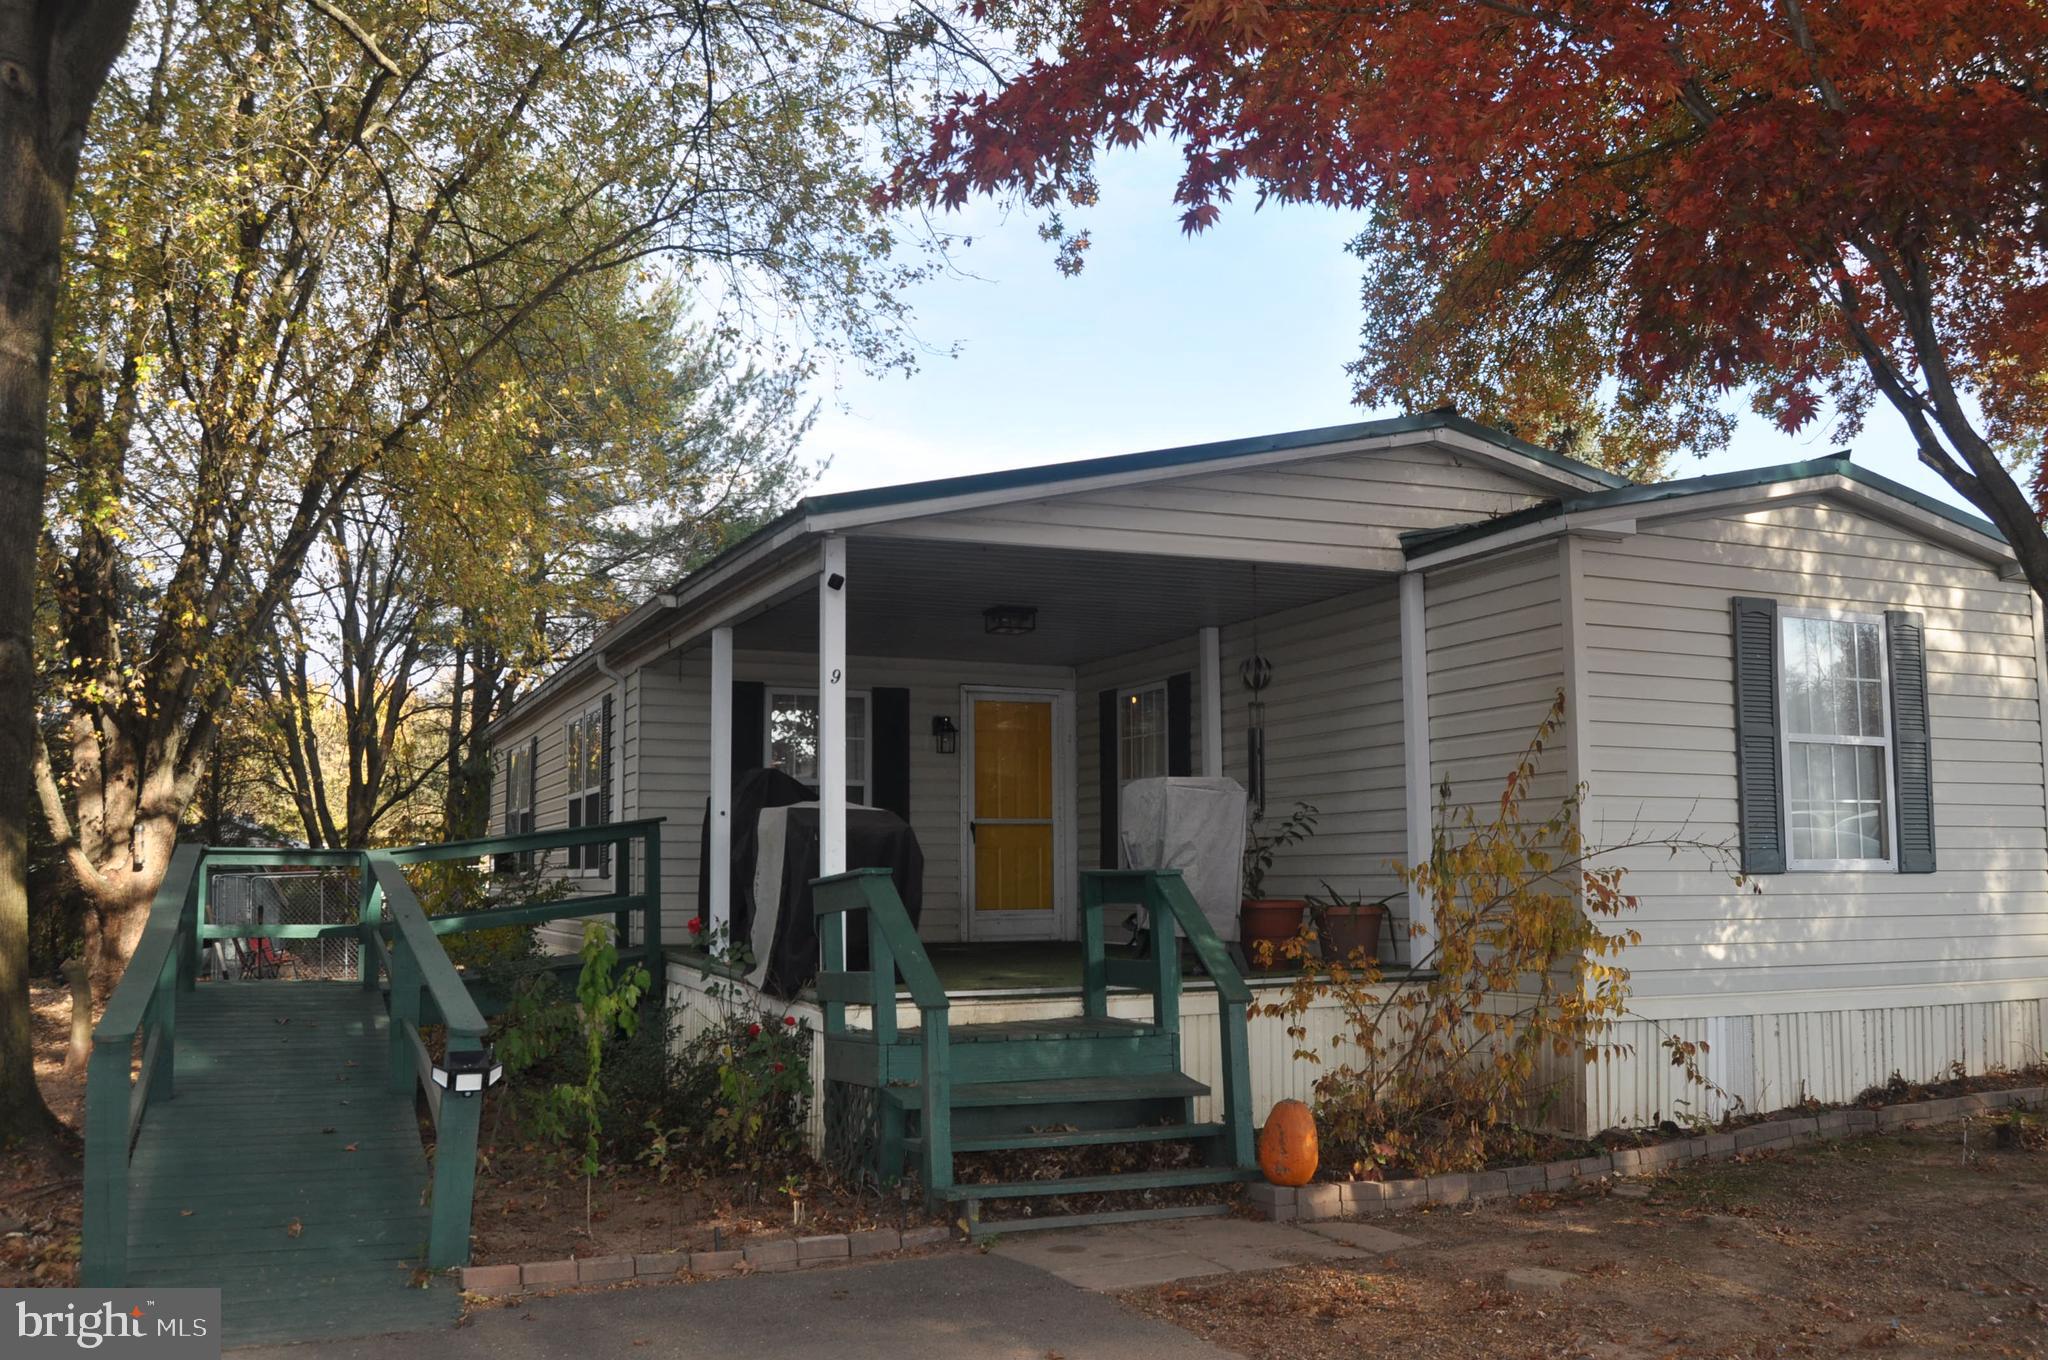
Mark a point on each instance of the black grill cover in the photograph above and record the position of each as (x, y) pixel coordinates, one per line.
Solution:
(875, 839)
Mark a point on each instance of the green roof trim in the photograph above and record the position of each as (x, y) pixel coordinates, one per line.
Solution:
(1190, 455)
(1420, 542)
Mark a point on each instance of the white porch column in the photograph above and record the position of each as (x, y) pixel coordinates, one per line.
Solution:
(1212, 703)
(720, 849)
(832, 708)
(1415, 750)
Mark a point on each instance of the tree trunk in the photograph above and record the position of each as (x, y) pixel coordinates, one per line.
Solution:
(53, 59)
(117, 907)
(80, 984)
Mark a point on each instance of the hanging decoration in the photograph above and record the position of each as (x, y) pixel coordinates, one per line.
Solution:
(1255, 673)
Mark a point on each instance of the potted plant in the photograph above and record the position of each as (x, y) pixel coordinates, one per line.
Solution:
(1277, 919)
(1345, 926)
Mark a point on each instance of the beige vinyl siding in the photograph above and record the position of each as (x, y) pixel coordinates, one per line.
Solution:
(1658, 667)
(1496, 663)
(675, 768)
(1347, 510)
(551, 779)
(672, 771)
(1333, 737)
(1333, 734)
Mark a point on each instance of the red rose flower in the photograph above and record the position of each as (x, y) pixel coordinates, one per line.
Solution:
(778, 1067)
(789, 1020)
(753, 1031)
(695, 926)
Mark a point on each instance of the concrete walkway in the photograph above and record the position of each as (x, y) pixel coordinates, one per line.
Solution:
(959, 1304)
(1028, 1297)
(1135, 1255)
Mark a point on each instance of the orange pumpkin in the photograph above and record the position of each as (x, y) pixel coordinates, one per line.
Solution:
(1287, 1145)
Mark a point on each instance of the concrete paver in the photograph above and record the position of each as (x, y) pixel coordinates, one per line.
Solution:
(1537, 1280)
(1126, 1256)
(1364, 1236)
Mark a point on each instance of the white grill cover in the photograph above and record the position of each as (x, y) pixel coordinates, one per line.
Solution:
(1195, 826)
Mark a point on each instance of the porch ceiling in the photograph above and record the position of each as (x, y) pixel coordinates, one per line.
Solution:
(925, 599)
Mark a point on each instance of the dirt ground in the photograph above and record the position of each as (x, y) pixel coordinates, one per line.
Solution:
(1893, 1246)
(40, 1194)
(530, 1208)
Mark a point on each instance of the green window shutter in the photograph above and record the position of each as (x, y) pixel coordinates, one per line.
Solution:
(1759, 764)
(1912, 755)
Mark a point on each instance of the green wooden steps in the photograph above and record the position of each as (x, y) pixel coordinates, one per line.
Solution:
(1101, 1185)
(1029, 1139)
(1057, 1091)
(913, 1097)
(1033, 1031)
(982, 1231)
(284, 1171)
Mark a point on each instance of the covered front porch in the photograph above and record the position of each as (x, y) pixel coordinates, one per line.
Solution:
(998, 698)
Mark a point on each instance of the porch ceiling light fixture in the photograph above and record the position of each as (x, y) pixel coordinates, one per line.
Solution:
(468, 1071)
(1009, 620)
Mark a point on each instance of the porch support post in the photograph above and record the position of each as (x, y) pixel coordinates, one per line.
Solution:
(832, 709)
(1212, 703)
(719, 922)
(1415, 751)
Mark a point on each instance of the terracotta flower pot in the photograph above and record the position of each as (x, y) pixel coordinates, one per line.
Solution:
(1269, 918)
(1348, 929)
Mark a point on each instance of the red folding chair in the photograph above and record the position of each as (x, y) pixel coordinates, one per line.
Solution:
(257, 957)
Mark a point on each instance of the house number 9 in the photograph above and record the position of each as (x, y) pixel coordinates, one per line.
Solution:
(835, 676)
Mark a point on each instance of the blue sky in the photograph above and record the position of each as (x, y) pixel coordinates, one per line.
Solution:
(1162, 340)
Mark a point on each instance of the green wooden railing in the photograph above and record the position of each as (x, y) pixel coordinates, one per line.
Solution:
(621, 903)
(144, 1007)
(872, 1057)
(425, 989)
(1163, 896)
(398, 943)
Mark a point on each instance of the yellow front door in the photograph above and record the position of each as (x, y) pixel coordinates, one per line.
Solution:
(1011, 828)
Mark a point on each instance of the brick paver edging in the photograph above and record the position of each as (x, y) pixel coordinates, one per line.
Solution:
(770, 1253)
(1348, 1199)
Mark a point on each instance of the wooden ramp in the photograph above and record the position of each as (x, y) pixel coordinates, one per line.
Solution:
(285, 1170)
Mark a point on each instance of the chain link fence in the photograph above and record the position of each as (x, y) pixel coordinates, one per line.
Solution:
(292, 897)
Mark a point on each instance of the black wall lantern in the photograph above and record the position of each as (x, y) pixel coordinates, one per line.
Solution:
(945, 736)
(1009, 620)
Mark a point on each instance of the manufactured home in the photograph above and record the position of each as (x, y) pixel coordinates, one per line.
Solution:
(1834, 678)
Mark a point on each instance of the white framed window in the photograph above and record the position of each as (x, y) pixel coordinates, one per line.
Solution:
(793, 738)
(584, 762)
(1141, 733)
(1834, 702)
(519, 790)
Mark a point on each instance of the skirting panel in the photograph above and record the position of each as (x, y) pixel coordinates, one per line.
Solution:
(1771, 1061)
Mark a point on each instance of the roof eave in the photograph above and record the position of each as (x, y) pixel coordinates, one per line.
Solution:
(1620, 511)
